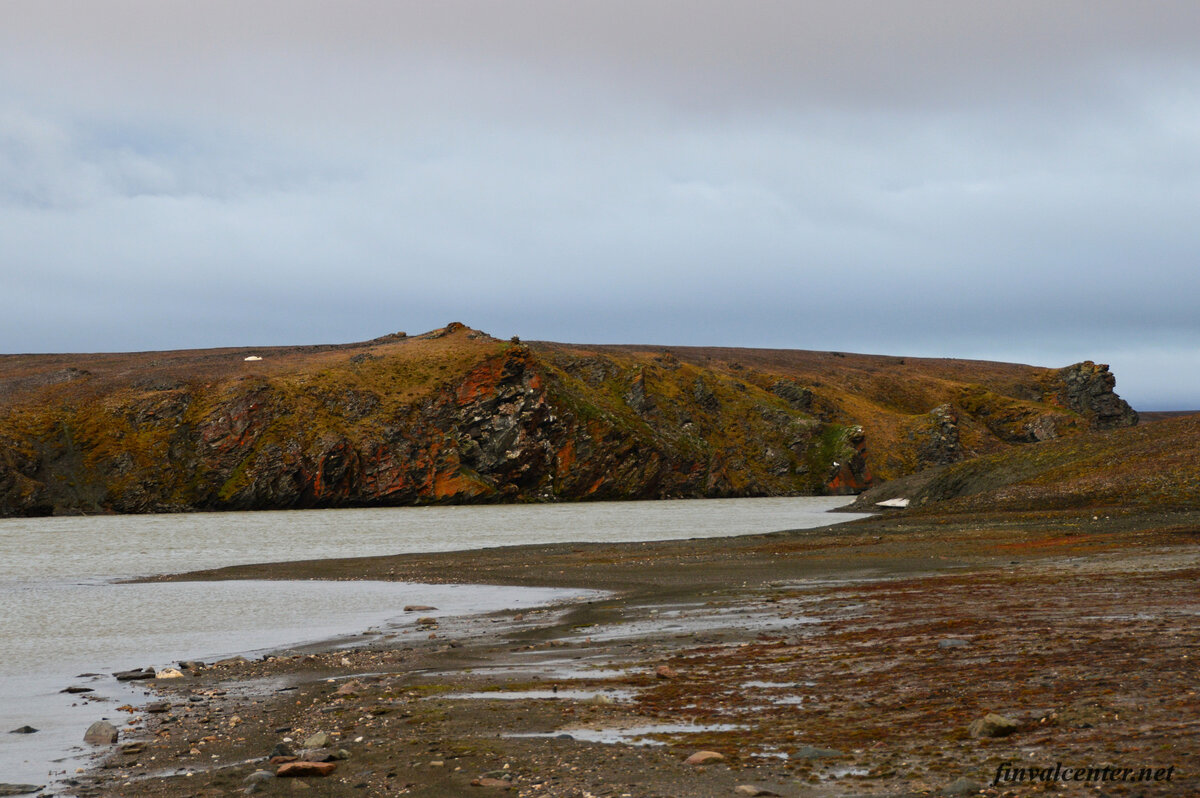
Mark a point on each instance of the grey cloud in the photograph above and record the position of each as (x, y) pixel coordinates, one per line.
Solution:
(1010, 180)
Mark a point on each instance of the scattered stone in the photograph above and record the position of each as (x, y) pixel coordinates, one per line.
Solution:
(257, 781)
(19, 789)
(282, 749)
(158, 707)
(74, 689)
(351, 687)
(487, 781)
(294, 769)
(132, 748)
(137, 674)
(318, 740)
(190, 665)
(953, 642)
(703, 758)
(665, 672)
(750, 789)
(340, 755)
(169, 673)
(963, 786)
(239, 660)
(282, 759)
(992, 725)
(100, 733)
(24, 730)
(419, 608)
(812, 752)
(427, 621)
(316, 755)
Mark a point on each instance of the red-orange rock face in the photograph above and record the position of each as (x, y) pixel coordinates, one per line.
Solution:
(455, 416)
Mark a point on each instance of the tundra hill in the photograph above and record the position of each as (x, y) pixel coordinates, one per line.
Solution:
(456, 416)
(1153, 465)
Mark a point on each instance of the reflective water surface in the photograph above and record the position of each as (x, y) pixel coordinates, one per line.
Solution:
(61, 614)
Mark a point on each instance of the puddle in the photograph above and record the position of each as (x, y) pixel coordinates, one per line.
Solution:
(781, 700)
(596, 696)
(679, 623)
(632, 735)
(586, 668)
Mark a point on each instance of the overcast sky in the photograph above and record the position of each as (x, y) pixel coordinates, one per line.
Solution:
(1014, 180)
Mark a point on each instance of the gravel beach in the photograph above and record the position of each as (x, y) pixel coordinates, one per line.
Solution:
(899, 655)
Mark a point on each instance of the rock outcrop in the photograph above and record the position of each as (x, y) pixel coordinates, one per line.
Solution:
(1087, 388)
(455, 416)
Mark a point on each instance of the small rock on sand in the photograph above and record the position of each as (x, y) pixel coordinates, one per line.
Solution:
(169, 673)
(351, 687)
(100, 733)
(74, 690)
(963, 787)
(24, 730)
(665, 672)
(750, 789)
(992, 725)
(137, 674)
(419, 608)
(318, 740)
(488, 781)
(158, 707)
(427, 621)
(293, 769)
(703, 758)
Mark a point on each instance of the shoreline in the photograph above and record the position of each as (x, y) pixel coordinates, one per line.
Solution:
(722, 614)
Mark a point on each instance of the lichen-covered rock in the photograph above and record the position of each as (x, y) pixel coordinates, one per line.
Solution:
(797, 396)
(937, 438)
(1088, 389)
(993, 725)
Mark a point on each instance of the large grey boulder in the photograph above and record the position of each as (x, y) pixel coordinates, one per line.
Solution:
(101, 733)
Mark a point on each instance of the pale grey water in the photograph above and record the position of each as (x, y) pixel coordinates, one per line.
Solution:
(61, 614)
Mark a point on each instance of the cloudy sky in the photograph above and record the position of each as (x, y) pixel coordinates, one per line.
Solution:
(1014, 180)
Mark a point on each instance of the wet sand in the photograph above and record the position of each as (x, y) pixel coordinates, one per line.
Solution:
(848, 660)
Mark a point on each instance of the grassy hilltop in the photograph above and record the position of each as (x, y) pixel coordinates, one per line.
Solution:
(457, 416)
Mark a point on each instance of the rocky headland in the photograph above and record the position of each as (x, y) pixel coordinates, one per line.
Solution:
(456, 416)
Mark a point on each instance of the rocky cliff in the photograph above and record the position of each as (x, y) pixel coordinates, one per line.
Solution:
(456, 416)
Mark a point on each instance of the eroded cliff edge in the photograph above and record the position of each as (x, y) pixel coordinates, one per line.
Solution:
(455, 416)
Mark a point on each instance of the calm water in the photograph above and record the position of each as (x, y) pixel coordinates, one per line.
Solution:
(60, 613)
